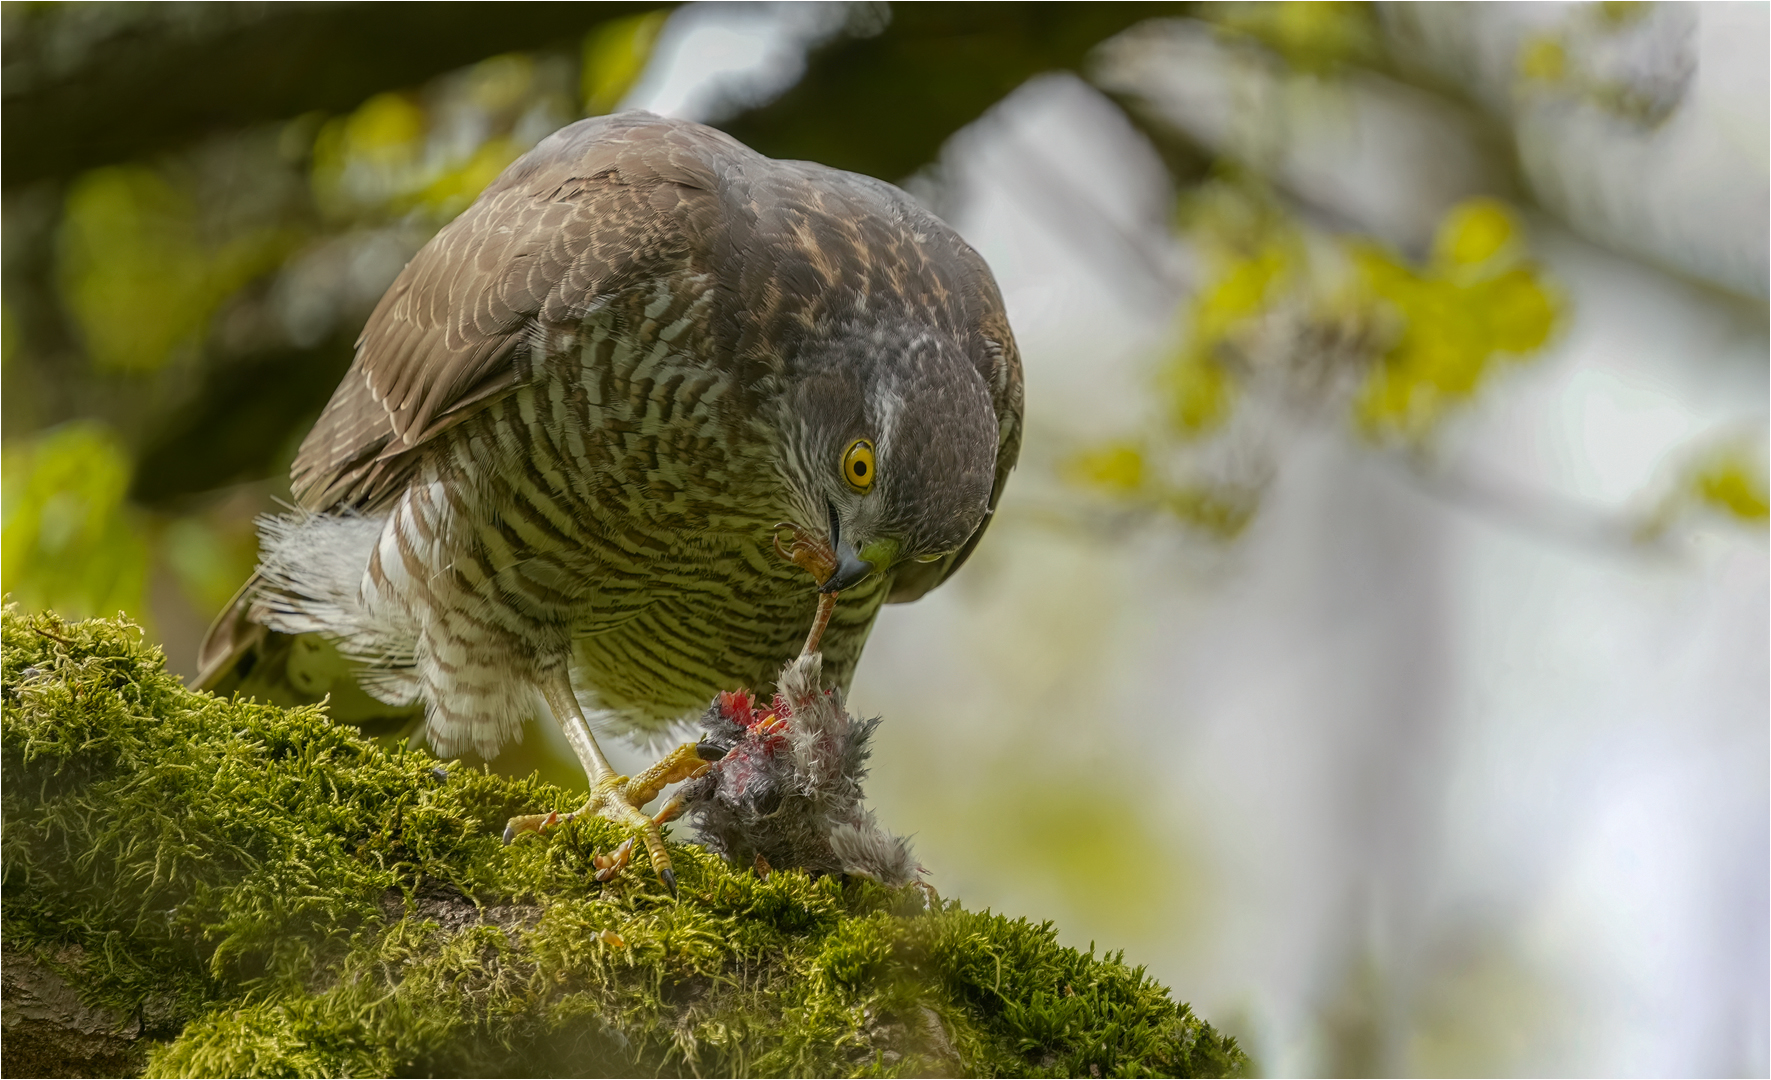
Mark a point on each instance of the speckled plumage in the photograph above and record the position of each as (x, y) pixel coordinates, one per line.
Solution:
(577, 417)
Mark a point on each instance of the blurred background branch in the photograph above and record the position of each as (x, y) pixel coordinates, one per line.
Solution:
(95, 84)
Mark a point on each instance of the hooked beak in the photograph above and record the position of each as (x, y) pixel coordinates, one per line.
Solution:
(850, 566)
(850, 569)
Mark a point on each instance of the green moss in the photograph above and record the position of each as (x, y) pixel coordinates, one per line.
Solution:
(276, 895)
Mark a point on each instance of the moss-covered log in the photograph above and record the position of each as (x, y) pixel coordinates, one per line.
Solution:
(198, 886)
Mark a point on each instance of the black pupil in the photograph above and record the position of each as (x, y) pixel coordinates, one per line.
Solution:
(860, 468)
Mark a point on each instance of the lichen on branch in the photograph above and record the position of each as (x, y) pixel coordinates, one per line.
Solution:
(202, 886)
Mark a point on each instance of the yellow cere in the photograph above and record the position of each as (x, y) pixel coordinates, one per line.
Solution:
(857, 466)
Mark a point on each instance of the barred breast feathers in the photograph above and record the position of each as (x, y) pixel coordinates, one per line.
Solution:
(384, 589)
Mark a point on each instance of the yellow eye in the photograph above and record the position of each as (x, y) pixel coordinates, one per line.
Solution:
(857, 466)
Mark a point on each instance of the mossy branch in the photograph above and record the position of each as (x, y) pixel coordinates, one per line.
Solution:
(199, 886)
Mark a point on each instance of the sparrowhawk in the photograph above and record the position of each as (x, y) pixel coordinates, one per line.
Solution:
(597, 421)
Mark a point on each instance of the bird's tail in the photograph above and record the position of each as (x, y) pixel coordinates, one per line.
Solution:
(233, 638)
(290, 665)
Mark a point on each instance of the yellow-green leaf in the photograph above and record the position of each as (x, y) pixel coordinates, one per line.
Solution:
(1521, 313)
(133, 273)
(615, 55)
(68, 540)
(1199, 392)
(454, 189)
(1543, 59)
(1732, 480)
(1475, 305)
(1117, 468)
(210, 562)
(1474, 232)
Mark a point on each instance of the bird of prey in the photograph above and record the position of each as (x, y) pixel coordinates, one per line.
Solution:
(600, 427)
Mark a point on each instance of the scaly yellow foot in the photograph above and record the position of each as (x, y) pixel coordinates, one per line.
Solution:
(619, 799)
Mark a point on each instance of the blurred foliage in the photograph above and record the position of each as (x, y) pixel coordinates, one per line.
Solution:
(1313, 36)
(136, 273)
(615, 56)
(1318, 323)
(209, 558)
(1724, 476)
(1633, 61)
(1543, 59)
(399, 152)
(1250, 254)
(97, 84)
(1116, 468)
(369, 156)
(1733, 480)
(1479, 301)
(9, 333)
(70, 540)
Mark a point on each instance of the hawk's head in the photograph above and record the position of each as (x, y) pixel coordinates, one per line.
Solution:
(890, 448)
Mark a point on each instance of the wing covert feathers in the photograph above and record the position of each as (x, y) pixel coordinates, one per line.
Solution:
(592, 208)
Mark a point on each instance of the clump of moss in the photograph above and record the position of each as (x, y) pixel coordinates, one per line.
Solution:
(262, 892)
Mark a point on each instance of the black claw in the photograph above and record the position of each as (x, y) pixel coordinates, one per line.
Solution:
(669, 877)
(440, 773)
(707, 751)
(510, 833)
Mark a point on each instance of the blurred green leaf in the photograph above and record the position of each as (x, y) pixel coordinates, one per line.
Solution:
(1123, 472)
(1221, 511)
(454, 189)
(400, 152)
(615, 55)
(1319, 322)
(1569, 61)
(1200, 393)
(1252, 255)
(1726, 476)
(500, 83)
(1543, 59)
(1476, 233)
(1314, 36)
(1622, 12)
(210, 563)
(1116, 468)
(70, 542)
(369, 157)
(134, 273)
(1199, 390)
(1733, 480)
(1477, 304)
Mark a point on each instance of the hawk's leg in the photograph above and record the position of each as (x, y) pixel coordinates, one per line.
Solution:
(612, 795)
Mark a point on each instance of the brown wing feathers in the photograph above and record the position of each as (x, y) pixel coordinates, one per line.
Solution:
(590, 208)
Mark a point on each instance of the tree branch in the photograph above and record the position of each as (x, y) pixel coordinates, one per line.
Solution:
(92, 86)
(200, 886)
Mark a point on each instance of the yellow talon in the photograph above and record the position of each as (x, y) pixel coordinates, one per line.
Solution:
(619, 799)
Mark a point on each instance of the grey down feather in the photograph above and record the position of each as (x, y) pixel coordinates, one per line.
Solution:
(789, 787)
